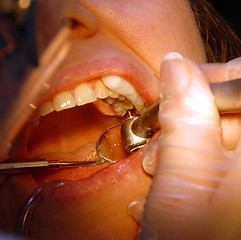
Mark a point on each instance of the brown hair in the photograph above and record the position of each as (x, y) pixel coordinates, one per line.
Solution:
(221, 42)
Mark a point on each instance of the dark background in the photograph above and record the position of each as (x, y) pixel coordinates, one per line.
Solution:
(230, 11)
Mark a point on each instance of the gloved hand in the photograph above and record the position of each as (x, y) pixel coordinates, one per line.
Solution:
(196, 161)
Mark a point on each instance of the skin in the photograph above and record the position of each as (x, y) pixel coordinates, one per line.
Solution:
(139, 33)
(195, 193)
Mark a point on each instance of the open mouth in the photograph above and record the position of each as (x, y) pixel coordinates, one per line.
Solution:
(96, 95)
(67, 126)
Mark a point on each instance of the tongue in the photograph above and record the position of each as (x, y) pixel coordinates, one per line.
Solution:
(110, 144)
(104, 108)
(85, 153)
(68, 130)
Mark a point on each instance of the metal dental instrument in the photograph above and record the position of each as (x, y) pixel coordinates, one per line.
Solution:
(38, 165)
(98, 144)
(137, 132)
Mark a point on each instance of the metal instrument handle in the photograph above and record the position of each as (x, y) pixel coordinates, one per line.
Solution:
(23, 167)
(136, 132)
(38, 165)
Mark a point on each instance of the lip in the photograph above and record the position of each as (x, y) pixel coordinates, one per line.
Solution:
(141, 77)
(95, 178)
(92, 200)
(138, 74)
(129, 168)
(127, 172)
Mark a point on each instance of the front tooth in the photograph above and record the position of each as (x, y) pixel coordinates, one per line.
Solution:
(84, 94)
(125, 89)
(63, 100)
(46, 109)
(101, 90)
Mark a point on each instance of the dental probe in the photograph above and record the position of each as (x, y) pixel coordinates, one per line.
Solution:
(38, 165)
(136, 132)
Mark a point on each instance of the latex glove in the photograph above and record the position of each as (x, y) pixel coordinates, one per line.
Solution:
(196, 191)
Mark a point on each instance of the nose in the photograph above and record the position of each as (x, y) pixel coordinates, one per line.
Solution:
(85, 22)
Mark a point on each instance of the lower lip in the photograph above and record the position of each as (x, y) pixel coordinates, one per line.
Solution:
(102, 178)
(102, 197)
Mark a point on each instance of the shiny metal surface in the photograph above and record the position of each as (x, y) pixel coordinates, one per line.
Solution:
(98, 146)
(137, 132)
(38, 165)
(130, 138)
(227, 96)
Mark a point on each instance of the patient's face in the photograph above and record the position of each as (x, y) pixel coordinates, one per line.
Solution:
(112, 39)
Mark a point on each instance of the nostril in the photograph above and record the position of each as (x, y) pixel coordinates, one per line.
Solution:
(69, 22)
(82, 19)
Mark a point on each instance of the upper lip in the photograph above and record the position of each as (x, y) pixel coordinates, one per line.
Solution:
(142, 78)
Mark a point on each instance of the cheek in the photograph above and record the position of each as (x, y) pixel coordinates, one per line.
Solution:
(162, 27)
(102, 215)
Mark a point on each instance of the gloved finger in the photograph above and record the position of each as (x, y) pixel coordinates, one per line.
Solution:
(187, 108)
(150, 156)
(230, 123)
(187, 163)
(136, 208)
(231, 130)
(222, 72)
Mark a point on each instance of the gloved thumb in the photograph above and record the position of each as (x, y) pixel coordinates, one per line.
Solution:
(186, 159)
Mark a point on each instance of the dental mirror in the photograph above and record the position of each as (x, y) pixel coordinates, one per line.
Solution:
(109, 145)
(136, 132)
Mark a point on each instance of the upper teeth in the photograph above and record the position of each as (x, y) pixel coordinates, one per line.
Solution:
(125, 89)
(119, 93)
